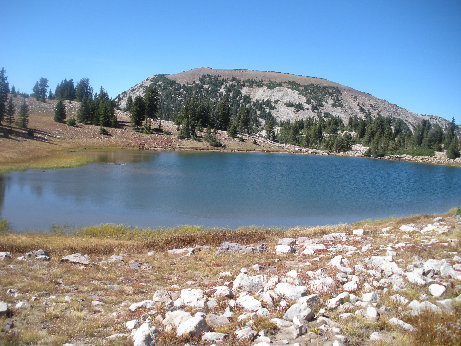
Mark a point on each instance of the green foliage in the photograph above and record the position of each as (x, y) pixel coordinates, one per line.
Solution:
(84, 112)
(40, 89)
(83, 90)
(65, 90)
(23, 116)
(103, 131)
(211, 138)
(71, 122)
(453, 149)
(10, 112)
(59, 112)
(138, 111)
(4, 90)
(104, 110)
(129, 103)
(151, 100)
(4, 226)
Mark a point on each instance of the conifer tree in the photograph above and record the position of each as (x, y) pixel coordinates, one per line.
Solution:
(4, 90)
(138, 111)
(83, 90)
(84, 112)
(151, 101)
(23, 117)
(223, 113)
(10, 112)
(60, 112)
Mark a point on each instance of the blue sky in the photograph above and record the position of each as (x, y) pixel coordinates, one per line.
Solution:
(407, 52)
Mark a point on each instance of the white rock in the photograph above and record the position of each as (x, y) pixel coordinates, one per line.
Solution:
(21, 305)
(145, 335)
(312, 248)
(335, 236)
(333, 303)
(408, 228)
(284, 249)
(193, 326)
(287, 241)
(223, 292)
(437, 290)
(4, 255)
(290, 291)
(77, 258)
(245, 334)
(402, 324)
(281, 323)
(351, 286)
(249, 303)
(193, 297)
(300, 311)
(163, 298)
(216, 320)
(173, 319)
(323, 285)
(370, 297)
(247, 283)
(418, 308)
(214, 337)
(377, 336)
(310, 300)
(371, 313)
(130, 325)
(416, 277)
(144, 304)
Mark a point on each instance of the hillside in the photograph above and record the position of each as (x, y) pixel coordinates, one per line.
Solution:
(284, 97)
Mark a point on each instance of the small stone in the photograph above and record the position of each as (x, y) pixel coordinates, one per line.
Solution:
(77, 258)
(249, 303)
(214, 337)
(300, 311)
(370, 297)
(223, 292)
(144, 304)
(193, 297)
(216, 320)
(437, 290)
(21, 305)
(173, 319)
(4, 309)
(5, 255)
(130, 325)
(245, 334)
(371, 314)
(402, 324)
(145, 335)
(290, 291)
(284, 249)
(247, 283)
(193, 326)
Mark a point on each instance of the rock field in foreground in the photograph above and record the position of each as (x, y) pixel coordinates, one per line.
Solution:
(359, 286)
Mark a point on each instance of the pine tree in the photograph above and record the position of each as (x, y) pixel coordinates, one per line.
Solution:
(84, 112)
(23, 118)
(60, 112)
(129, 103)
(138, 111)
(270, 133)
(453, 149)
(151, 101)
(223, 113)
(4, 90)
(83, 90)
(10, 112)
(40, 89)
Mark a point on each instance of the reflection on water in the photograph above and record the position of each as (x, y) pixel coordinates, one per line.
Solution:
(226, 190)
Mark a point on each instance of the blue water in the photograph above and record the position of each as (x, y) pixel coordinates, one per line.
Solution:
(225, 190)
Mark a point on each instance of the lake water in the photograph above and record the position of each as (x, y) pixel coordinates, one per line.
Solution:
(224, 190)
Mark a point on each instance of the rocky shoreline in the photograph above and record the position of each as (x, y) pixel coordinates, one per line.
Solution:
(397, 284)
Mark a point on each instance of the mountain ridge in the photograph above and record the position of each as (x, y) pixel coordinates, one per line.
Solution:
(291, 89)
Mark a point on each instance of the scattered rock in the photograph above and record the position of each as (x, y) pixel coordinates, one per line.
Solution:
(290, 291)
(214, 337)
(4, 309)
(133, 324)
(323, 285)
(147, 304)
(437, 290)
(284, 249)
(145, 335)
(193, 297)
(371, 314)
(5, 255)
(402, 324)
(247, 283)
(245, 334)
(300, 311)
(77, 258)
(235, 247)
(193, 326)
(249, 303)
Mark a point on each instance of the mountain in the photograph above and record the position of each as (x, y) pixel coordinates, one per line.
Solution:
(282, 96)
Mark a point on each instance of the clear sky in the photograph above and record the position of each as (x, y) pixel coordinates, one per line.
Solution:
(406, 52)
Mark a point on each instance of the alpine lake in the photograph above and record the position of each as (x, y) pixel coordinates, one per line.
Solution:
(225, 190)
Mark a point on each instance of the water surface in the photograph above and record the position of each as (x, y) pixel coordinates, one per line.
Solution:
(225, 190)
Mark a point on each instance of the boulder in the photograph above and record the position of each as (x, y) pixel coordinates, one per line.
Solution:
(193, 297)
(323, 285)
(77, 258)
(437, 290)
(371, 314)
(235, 247)
(194, 326)
(213, 337)
(173, 319)
(400, 323)
(147, 304)
(216, 320)
(290, 291)
(223, 292)
(284, 249)
(248, 283)
(4, 309)
(245, 334)
(5, 255)
(145, 335)
(249, 303)
(300, 311)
